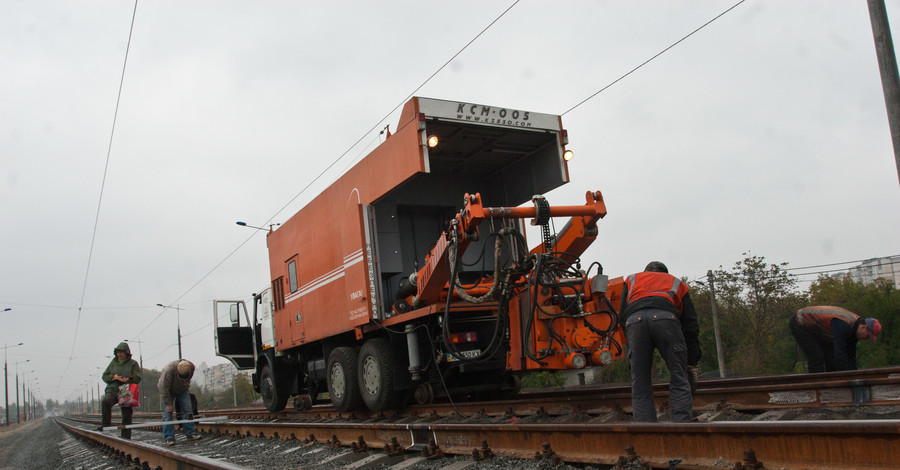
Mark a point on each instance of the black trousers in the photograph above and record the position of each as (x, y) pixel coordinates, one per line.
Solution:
(819, 351)
(645, 330)
(106, 405)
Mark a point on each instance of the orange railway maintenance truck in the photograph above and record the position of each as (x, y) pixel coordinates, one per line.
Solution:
(410, 278)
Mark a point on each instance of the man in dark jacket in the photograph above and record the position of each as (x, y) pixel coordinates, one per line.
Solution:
(121, 370)
(828, 336)
(174, 385)
(657, 312)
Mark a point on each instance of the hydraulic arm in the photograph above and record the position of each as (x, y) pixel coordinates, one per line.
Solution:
(575, 237)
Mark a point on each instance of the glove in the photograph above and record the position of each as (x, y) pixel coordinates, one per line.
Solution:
(693, 373)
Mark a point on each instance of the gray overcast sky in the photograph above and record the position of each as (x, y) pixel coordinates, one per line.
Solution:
(764, 132)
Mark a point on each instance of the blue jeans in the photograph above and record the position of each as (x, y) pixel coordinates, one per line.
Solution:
(184, 403)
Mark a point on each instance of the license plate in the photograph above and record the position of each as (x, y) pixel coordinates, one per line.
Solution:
(466, 354)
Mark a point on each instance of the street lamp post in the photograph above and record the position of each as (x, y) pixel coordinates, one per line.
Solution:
(6, 379)
(244, 224)
(34, 382)
(99, 381)
(24, 395)
(178, 309)
(17, 387)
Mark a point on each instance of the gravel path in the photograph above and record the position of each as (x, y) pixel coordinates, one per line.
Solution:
(42, 445)
(26, 445)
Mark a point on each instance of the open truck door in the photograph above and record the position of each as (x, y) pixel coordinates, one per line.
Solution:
(234, 333)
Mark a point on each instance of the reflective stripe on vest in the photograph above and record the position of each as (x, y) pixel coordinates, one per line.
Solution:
(819, 318)
(672, 293)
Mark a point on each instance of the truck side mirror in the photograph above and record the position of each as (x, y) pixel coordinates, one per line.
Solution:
(233, 314)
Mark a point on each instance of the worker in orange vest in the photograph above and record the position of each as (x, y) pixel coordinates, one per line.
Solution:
(658, 313)
(828, 335)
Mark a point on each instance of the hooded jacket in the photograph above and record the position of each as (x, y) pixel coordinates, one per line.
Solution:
(170, 384)
(128, 368)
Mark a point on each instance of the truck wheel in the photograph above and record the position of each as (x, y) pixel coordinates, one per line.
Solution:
(343, 388)
(273, 398)
(376, 377)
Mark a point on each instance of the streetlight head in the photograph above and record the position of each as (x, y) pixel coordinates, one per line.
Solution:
(7, 309)
(160, 305)
(242, 224)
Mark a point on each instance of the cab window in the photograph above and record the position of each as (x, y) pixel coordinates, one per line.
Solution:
(292, 275)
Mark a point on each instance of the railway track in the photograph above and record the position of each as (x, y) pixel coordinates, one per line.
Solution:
(869, 387)
(825, 421)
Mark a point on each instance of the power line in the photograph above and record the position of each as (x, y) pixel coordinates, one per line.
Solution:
(395, 108)
(837, 264)
(323, 172)
(401, 103)
(895, 260)
(651, 58)
(112, 134)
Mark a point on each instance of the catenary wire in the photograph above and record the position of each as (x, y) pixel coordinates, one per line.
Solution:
(654, 57)
(333, 163)
(112, 134)
(447, 62)
(827, 271)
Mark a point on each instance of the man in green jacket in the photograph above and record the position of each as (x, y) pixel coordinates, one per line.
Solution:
(121, 370)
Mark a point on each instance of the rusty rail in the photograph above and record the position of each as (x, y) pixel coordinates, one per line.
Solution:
(796, 444)
(147, 455)
(872, 387)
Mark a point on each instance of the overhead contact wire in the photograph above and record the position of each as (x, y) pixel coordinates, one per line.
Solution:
(335, 162)
(654, 57)
(112, 134)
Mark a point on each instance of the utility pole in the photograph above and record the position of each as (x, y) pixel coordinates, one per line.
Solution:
(6, 377)
(887, 65)
(177, 309)
(179, 315)
(715, 315)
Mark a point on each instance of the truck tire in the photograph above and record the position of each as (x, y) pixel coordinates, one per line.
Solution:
(376, 377)
(343, 388)
(273, 396)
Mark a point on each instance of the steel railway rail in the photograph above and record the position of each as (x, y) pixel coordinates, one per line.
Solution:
(870, 387)
(583, 426)
(796, 444)
(145, 455)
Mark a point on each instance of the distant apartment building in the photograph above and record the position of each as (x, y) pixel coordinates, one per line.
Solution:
(216, 378)
(877, 268)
